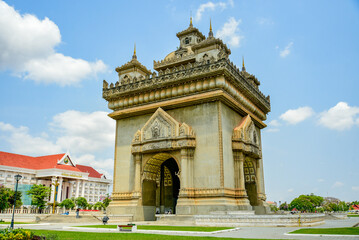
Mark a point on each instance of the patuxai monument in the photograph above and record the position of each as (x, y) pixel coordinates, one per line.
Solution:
(188, 136)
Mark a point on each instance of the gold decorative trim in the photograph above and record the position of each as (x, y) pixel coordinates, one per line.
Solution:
(212, 192)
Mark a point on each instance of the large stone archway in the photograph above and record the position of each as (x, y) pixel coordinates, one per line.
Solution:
(163, 150)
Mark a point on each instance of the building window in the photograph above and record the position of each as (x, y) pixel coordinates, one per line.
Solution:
(9, 175)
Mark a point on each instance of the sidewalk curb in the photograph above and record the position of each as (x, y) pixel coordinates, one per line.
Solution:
(319, 235)
(152, 231)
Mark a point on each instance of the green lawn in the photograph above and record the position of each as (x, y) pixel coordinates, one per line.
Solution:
(167, 228)
(63, 235)
(338, 231)
(353, 215)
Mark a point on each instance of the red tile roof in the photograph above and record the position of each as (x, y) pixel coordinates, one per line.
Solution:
(92, 172)
(43, 162)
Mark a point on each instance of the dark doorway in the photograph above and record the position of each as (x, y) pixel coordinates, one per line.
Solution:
(168, 188)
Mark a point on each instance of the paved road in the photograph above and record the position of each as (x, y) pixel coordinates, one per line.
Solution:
(243, 232)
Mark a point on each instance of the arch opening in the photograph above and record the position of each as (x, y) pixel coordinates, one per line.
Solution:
(250, 181)
(161, 184)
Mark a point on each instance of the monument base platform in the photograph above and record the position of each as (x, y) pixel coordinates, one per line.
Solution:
(242, 219)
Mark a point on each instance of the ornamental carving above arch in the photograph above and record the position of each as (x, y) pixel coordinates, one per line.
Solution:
(245, 138)
(163, 133)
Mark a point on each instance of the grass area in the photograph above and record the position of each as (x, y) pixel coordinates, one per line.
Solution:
(17, 223)
(338, 231)
(63, 235)
(167, 228)
(353, 215)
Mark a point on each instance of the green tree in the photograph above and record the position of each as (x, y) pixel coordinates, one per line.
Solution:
(39, 194)
(99, 205)
(18, 198)
(7, 197)
(284, 206)
(67, 203)
(106, 201)
(81, 202)
(307, 203)
(5, 194)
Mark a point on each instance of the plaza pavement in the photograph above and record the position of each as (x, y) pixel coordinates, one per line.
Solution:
(243, 232)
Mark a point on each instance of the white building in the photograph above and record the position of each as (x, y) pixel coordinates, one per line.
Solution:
(73, 180)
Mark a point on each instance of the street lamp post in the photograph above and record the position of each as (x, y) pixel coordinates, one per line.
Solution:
(17, 178)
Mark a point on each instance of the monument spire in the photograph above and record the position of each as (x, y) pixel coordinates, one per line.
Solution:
(190, 23)
(134, 53)
(210, 34)
(243, 67)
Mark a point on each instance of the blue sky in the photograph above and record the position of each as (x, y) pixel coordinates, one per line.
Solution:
(55, 54)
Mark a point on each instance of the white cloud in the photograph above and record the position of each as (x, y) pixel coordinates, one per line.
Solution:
(338, 184)
(321, 180)
(274, 123)
(355, 188)
(61, 69)
(84, 132)
(28, 49)
(99, 164)
(272, 130)
(340, 117)
(286, 51)
(23, 143)
(290, 190)
(211, 6)
(229, 32)
(79, 132)
(294, 116)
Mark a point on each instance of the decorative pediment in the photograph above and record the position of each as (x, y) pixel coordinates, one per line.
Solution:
(66, 160)
(162, 131)
(245, 137)
(160, 125)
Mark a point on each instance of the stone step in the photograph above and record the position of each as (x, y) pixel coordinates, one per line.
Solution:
(71, 218)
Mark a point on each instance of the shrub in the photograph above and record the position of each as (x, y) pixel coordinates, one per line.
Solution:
(15, 234)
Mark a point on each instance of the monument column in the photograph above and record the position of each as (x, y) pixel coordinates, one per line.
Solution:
(138, 173)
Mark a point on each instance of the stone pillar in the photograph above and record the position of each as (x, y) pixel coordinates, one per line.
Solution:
(241, 171)
(59, 190)
(138, 173)
(53, 181)
(187, 168)
(71, 188)
(258, 176)
(77, 188)
(184, 172)
(260, 180)
(83, 188)
(5, 177)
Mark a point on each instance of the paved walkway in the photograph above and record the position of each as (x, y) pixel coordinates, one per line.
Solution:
(243, 232)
